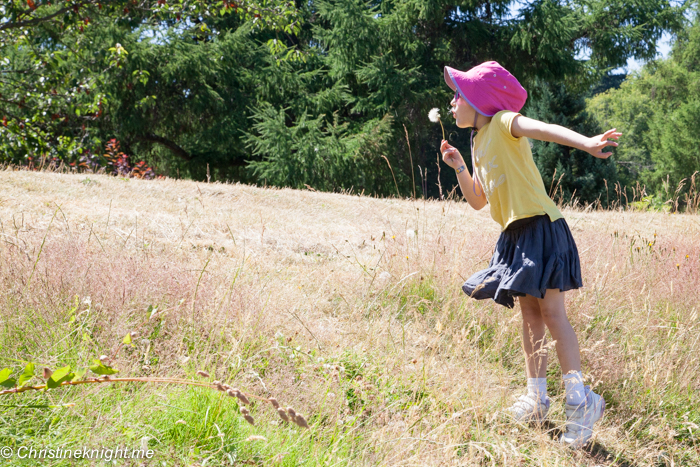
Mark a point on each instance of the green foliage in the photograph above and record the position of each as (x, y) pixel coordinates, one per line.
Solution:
(5, 378)
(569, 173)
(60, 59)
(59, 376)
(100, 368)
(27, 374)
(658, 111)
(316, 93)
(318, 153)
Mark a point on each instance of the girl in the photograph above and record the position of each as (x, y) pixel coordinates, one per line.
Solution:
(535, 257)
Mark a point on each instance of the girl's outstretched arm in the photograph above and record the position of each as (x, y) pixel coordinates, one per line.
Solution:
(534, 129)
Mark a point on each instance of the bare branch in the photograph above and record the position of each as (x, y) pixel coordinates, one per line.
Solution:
(31, 22)
(168, 144)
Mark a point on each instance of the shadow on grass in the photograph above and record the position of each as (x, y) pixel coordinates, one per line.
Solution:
(595, 450)
(600, 454)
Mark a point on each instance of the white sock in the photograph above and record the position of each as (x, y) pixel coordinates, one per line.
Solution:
(574, 390)
(537, 387)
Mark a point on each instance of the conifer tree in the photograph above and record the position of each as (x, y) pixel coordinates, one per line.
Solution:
(660, 109)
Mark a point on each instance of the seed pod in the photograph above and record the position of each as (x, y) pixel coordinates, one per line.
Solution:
(245, 411)
(227, 387)
(292, 413)
(218, 385)
(301, 421)
(203, 374)
(282, 414)
(274, 402)
(249, 419)
(242, 397)
(230, 392)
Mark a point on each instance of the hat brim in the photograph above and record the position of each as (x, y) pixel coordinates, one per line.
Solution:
(448, 78)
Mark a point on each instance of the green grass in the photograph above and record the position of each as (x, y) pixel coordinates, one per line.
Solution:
(390, 369)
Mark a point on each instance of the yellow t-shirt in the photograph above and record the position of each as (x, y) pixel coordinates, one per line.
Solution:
(511, 181)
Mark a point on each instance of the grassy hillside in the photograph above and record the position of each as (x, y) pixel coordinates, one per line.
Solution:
(345, 307)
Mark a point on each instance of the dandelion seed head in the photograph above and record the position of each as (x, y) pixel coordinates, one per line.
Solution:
(434, 115)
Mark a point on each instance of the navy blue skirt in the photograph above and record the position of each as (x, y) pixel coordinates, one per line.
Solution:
(531, 256)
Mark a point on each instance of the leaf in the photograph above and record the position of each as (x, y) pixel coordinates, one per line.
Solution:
(79, 374)
(100, 368)
(27, 374)
(127, 339)
(59, 376)
(5, 380)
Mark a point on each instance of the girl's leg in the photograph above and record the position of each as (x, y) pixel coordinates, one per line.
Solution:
(535, 404)
(553, 314)
(533, 337)
(583, 408)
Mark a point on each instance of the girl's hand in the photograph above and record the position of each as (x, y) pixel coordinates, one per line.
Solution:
(595, 145)
(451, 155)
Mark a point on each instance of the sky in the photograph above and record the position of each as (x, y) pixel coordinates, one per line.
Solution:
(663, 50)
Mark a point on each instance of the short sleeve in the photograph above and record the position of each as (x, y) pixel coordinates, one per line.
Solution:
(504, 120)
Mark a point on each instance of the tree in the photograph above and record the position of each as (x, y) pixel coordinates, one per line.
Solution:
(658, 111)
(569, 173)
(61, 59)
(388, 58)
(323, 93)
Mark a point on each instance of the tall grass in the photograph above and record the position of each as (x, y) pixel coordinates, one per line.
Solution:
(347, 308)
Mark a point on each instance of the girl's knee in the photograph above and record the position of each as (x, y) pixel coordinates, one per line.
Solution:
(530, 310)
(554, 315)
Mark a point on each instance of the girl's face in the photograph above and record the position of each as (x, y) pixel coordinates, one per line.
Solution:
(462, 112)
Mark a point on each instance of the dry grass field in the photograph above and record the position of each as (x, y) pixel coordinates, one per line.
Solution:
(347, 308)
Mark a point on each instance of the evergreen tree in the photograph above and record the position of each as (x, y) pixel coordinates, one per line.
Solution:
(324, 94)
(569, 173)
(658, 111)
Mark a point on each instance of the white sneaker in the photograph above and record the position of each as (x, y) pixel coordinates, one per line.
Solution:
(580, 419)
(530, 408)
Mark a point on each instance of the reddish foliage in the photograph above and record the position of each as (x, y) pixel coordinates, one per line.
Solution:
(119, 163)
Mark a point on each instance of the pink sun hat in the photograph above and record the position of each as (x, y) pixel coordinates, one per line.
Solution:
(488, 87)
